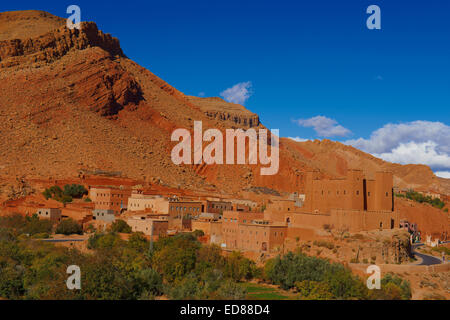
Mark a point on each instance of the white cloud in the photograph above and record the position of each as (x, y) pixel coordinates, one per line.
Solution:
(417, 153)
(392, 135)
(443, 174)
(298, 139)
(324, 126)
(238, 93)
(417, 142)
(201, 94)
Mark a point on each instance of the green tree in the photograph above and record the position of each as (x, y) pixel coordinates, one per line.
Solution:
(34, 225)
(68, 227)
(149, 283)
(314, 290)
(295, 268)
(105, 241)
(238, 267)
(175, 257)
(75, 190)
(120, 226)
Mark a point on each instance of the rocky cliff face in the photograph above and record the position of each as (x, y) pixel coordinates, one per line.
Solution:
(55, 44)
(218, 109)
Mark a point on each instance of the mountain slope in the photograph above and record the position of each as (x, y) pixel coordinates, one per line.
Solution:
(70, 100)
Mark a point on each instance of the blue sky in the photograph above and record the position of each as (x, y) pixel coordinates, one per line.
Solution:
(301, 60)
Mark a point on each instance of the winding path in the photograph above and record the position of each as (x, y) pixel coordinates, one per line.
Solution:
(427, 260)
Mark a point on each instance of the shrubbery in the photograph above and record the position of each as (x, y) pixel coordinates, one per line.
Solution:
(318, 279)
(18, 224)
(392, 288)
(70, 192)
(68, 227)
(120, 226)
(293, 269)
(418, 197)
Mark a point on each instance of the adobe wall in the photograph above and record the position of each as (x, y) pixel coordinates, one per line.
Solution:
(280, 206)
(313, 220)
(356, 220)
(302, 233)
(216, 232)
(204, 226)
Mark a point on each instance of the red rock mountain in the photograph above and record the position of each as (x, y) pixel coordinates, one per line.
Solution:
(71, 100)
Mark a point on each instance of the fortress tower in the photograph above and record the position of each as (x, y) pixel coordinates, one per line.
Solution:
(384, 197)
(356, 185)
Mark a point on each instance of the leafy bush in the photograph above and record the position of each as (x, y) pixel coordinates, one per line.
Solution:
(65, 196)
(149, 282)
(68, 227)
(198, 233)
(104, 241)
(314, 290)
(120, 226)
(418, 197)
(75, 191)
(238, 267)
(175, 257)
(18, 224)
(293, 268)
(392, 288)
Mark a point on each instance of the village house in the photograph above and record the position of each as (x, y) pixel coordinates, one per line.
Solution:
(149, 203)
(149, 226)
(211, 225)
(185, 208)
(243, 205)
(250, 231)
(218, 206)
(110, 198)
(53, 214)
(104, 215)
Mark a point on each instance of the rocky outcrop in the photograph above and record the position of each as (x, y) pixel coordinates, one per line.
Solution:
(107, 91)
(239, 119)
(218, 109)
(55, 44)
(397, 249)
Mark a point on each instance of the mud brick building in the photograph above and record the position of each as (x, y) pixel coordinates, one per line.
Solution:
(110, 198)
